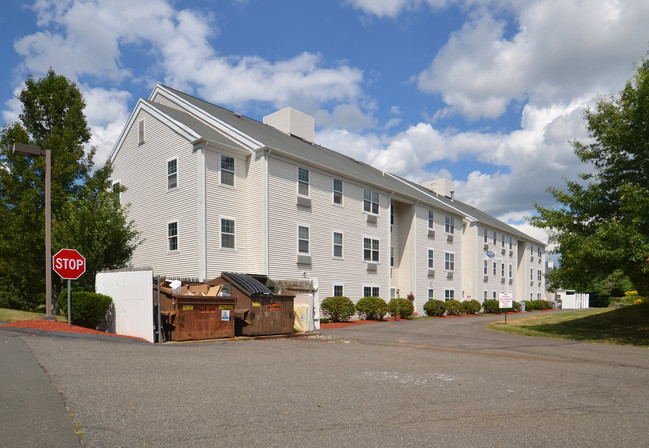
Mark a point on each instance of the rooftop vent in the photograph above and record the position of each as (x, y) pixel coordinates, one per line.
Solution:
(292, 122)
(441, 187)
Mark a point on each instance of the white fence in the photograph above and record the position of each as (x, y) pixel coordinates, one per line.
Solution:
(132, 294)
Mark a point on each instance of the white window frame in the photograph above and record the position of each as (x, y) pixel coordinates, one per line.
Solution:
(234, 232)
(175, 237)
(502, 270)
(431, 258)
(334, 244)
(141, 136)
(300, 239)
(372, 250)
(337, 194)
(510, 270)
(228, 171)
(372, 289)
(342, 290)
(431, 219)
(485, 236)
(485, 295)
(449, 224)
(431, 293)
(175, 174)
(369, 205)
(495, 268)
(449, 261)
(485, 267)
(495, 237)
(539, 275)
(301, 183)
(510, 242)
(449, 294)
(391, 256)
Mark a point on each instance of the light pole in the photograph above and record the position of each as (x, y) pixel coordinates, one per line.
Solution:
(36, 151)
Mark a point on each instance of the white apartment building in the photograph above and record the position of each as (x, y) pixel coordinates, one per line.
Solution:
(212, 191)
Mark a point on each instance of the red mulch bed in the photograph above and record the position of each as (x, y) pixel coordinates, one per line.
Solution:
(49, 325)
(351, 322)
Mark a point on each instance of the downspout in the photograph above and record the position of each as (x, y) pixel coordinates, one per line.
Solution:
(201, 215)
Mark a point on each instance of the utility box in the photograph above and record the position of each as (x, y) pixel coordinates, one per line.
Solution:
(258, 310)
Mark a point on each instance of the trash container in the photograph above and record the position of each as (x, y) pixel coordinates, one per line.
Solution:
(196, 313)
(258, 310)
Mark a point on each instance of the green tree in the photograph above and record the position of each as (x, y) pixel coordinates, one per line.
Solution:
(52, 117)
(601, 223)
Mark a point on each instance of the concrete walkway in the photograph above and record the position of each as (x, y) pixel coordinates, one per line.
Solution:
(32, 409)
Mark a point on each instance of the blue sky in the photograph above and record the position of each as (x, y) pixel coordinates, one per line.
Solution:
(486, 93)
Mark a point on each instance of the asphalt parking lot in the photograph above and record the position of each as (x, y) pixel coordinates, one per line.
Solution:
(439, 382)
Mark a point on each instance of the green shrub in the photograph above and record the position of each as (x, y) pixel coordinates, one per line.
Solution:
(452, 307)
(88, 308)
(528, 305)
(470, 307)
(402, 307)
(491, 306)
(543, 304)
(434, 307)
(372, 308)
(338, 309)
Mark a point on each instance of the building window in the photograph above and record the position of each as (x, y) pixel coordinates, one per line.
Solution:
(338, 290)
(431, 263)
(539, 275)
(303, 240)
(391, 217)
(172, 174)
(449, 224)
(531, 274)
(392, 256)
(303, 181)
(510, 243)
(227, 170)
(338, 192)
(338, 245)
(503, 240)
(494, 268)
(172, 236)
(539, 251)
(532, 250)
(140, 132)
(484, 267)
(430, 294)
(485, 295)
(510, 271)
(484, 236)
(449, 294)
(449, 261)
(370, 249)
(431, 222)
(393, 293)
(370, 291)
(370, 201)
(538, 296)
(495, 235)
(227, 233)
(493, 295)
(502, 270)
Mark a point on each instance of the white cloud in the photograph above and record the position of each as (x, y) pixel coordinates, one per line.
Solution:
(559, 50)
(392, 8)
(106, 111)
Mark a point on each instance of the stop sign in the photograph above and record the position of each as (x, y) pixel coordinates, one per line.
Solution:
(69, 264)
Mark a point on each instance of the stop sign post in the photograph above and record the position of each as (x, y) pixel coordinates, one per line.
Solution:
(70, 265)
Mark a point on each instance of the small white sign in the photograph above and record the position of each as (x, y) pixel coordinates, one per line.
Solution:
(505, 300)
(225, 315)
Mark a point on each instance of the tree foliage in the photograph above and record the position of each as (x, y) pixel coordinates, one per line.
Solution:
(86, 214)
(601, 222)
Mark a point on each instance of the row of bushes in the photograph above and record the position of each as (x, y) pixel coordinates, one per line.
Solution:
(340, 309)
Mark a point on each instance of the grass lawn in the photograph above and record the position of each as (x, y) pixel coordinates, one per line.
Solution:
(7, 315)
(627, 325)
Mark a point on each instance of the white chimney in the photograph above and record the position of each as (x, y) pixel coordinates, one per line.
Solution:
(292, 122)
(442, 187)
